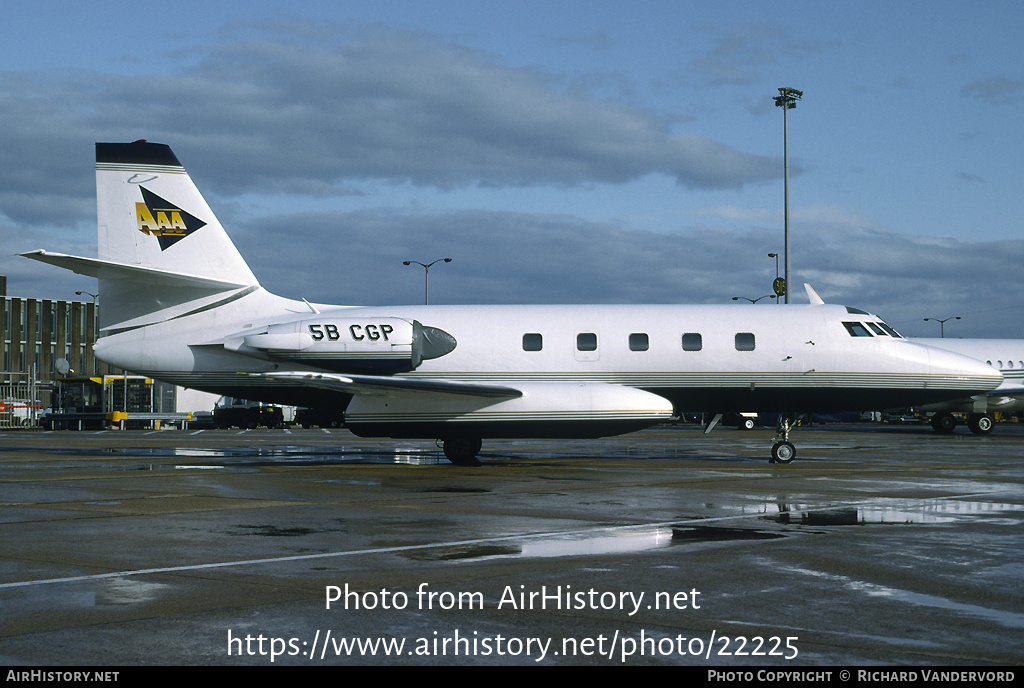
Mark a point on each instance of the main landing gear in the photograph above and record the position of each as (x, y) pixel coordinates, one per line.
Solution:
(462, 451)
(978, 423)
(783, 450)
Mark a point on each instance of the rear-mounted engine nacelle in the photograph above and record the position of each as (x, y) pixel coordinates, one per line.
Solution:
(380, 346)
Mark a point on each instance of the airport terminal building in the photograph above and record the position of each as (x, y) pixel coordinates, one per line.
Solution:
(39, 332)
(39, 335)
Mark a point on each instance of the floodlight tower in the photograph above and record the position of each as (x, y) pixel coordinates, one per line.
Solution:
(787, 101)
(426, 275)
(942, 323)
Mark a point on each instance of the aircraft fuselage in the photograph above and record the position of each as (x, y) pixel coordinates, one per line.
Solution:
(732, 357)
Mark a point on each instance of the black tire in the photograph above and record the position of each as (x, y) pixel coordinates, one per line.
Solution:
(980, 423)
(943, 423)
(783, 452)
(462, 451)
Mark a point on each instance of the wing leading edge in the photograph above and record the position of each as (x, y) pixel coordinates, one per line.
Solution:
(374, 385)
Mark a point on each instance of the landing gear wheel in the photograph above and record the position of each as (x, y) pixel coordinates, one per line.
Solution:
(462, 451)
(783, 452)
(943, 423)
(980, 423)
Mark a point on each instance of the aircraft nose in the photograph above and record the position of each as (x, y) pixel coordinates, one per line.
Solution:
(956, 371)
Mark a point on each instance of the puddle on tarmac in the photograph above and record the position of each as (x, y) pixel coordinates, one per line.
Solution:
(1005, 618)
(235, 458)
(721, 534)
(125, 591)
(895, 512)
(117, 591)
(601, 542)
(605, 542)
(276, 531)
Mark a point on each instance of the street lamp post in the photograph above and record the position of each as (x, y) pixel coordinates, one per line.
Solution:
(766, 296)
(942, 323)
(426, 275)
(787, 101)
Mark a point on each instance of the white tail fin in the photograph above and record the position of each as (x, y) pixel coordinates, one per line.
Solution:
(150, 214)
(162, 252)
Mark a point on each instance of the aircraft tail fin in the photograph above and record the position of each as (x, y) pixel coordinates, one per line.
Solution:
(150, 214)
(162, 252)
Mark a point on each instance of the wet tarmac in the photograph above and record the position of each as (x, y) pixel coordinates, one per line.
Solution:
(878, 545)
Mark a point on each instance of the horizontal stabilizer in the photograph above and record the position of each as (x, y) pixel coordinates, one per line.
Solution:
(104, 269)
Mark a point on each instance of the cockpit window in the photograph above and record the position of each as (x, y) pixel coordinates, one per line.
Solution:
(856, 329)
(876, 328)
(889, 330)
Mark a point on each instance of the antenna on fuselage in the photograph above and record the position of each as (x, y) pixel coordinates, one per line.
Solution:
(812, 296)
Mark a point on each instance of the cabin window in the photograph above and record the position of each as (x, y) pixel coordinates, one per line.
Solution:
(744, 341)
(856, 329)
(533, 341)
(638, 341)
(692, 341)
(586, 341)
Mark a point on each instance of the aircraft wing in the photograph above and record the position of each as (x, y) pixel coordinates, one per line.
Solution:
(1011, 390)
(376, 385)
(384, 406)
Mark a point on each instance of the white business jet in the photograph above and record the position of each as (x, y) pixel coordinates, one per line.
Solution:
(1005, 355)
(181, 305)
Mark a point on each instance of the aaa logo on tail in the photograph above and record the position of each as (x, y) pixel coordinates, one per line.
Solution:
(164, 220)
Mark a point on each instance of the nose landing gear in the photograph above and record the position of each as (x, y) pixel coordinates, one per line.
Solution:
(783, 450)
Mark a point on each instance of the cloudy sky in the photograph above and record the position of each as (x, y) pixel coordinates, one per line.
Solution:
(559, 152)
